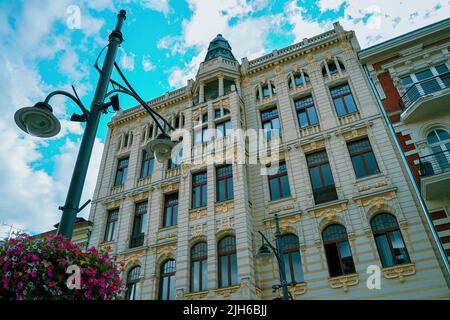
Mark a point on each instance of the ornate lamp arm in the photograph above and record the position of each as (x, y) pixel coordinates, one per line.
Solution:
(70, 96)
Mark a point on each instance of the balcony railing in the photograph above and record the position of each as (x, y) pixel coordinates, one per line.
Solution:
(137, 240)
(423, 88)
(435, 163)
(325, 194)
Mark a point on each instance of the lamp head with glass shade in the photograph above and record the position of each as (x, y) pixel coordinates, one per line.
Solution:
(38, 121)
(264, 254)
(161, 147)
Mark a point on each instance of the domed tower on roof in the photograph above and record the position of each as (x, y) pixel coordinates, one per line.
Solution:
(219, 47)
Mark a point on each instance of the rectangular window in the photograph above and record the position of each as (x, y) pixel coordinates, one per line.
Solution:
(147, 164)
(200, 136)
(199, 190)
(139, 225)
(223, 129)
(224, 183)
(271, 123)
(111, 225)
(363, 159)
(279, 182)
(170, 217)
(306, 112)
(321, 177)
(121, 173)
(343, 100)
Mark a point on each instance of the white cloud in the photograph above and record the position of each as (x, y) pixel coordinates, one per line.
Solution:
(147, 64)
(30, 195)
(126, 60)
(157, 5)
(333, 5)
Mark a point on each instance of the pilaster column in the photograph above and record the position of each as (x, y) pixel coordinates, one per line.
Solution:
(201, 94)
(221, 88)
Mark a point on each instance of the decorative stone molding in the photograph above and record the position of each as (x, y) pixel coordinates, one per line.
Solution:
(196, 295)
(328, 212)
(355, 133)
(376, 200)
(170, 187)
(224, 207)
(116, 189)
(313, 146)
(259, 292)
(227, 292)
(298, 289)
(179, 294)
(166, 250)
(285, 222)
(374, 186)
(224, 224)
(162, 236)
(198, 213)
(344, 281)
(141, 196)
(400, 271)
(198, 231)
(113, 204)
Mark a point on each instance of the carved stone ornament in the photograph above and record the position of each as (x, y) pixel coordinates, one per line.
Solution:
(313, 146)
(227, 292)
(197, 214)
(170, 187)
(285, 222)
(400, 271)
(344, 281)
(329, 212)
(224, 207)
(377, 200)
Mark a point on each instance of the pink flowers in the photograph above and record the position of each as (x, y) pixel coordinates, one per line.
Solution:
(36, 269)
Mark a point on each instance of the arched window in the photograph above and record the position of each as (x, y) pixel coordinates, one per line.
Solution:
(199, 278)
(298, 79)
(332, 68)
(167, 280)
(132, 291)
(227, 262)
(337, 250)
(389, 240)
(291, 258)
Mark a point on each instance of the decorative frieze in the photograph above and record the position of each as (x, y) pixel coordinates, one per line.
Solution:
(377, 200)
(285, 221)
(328, 211)
(227, 292)
(197, 213)
(314, 146)
(168, 188)
(224, 207)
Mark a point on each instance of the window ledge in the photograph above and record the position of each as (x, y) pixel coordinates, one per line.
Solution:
(285, 199)
(400, 271)
(327, 205)
(297, 290)
(133, 250)
(370, 177)
(344, 281)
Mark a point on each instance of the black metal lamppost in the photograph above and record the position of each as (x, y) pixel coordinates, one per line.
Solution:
(265, 255)
(39, 121)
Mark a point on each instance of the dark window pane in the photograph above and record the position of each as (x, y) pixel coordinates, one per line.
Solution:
(315, 177)
(346, 256)
(285, 186)
(371, 163)
(233, 266)
(351, 106)
(302, 119)
(359, 167)
(334, 263)
(384, 251)
(399, 247)
(274, 189)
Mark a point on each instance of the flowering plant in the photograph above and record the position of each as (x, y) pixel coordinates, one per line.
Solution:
(38, 269)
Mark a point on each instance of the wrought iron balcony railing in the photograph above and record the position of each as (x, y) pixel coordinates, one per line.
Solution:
(137, 240)
(435, 163)
(423, 88)
(325, 194)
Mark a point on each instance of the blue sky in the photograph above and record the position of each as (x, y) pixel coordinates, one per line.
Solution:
(42, 48)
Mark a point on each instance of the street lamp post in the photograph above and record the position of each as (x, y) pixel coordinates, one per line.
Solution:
(264, 254)
(40, 121)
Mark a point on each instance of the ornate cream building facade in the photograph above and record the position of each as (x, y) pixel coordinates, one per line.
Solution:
(190, 231)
